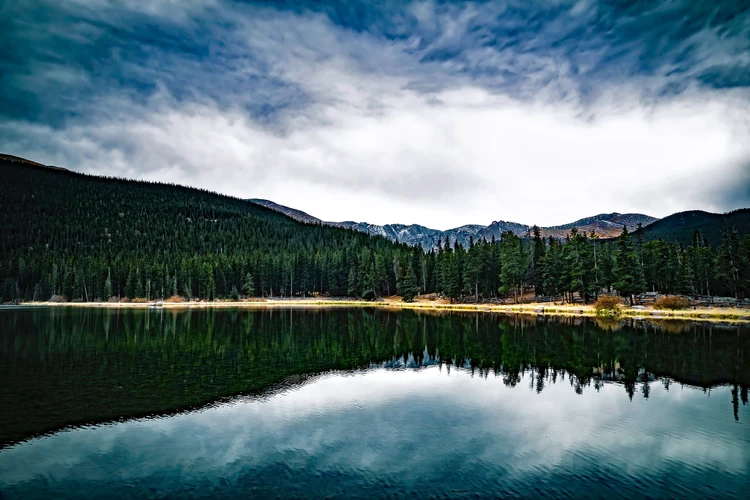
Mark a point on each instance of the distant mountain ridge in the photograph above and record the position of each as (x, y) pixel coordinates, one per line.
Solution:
(605, 225)
(293, 213)
(23, 161)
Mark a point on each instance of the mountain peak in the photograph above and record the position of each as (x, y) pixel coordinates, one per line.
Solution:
(605, 225)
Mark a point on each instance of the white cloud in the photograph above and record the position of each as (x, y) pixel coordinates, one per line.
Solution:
(472, 158)
(373, 423)
(386, 137)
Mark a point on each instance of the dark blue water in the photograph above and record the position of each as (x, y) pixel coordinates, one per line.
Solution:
(358, 404)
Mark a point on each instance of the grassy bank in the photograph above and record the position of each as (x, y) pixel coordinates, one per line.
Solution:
(546, 309)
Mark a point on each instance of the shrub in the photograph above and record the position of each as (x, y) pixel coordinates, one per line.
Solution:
(671, 302)
(607, 305)
(58, 298)
(139, 300)
(175, 298)
(369, 295)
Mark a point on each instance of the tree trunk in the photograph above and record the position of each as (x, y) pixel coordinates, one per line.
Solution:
(708, 290)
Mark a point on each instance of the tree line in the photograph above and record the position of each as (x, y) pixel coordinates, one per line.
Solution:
(87, 238)
(583, 265)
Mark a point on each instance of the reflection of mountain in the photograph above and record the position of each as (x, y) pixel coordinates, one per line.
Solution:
(72, 366)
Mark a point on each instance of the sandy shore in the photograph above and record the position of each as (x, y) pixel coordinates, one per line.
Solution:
(547, 309)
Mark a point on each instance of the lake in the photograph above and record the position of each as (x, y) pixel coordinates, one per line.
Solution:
(343, 403)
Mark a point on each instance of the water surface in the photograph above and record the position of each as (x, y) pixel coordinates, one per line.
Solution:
(361, 403)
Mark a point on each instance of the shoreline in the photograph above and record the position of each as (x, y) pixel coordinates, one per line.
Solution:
(535, 309)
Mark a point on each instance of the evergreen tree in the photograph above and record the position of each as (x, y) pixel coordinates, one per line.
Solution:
(628, 277)
(513, 265)
(408, 285)
(138, 291)
(108, 285)
(553, 268)
(453, 277)
(472, 269)
(728, 262)
(539, 249)
(352, 282)
(84, 237)
(248, 285)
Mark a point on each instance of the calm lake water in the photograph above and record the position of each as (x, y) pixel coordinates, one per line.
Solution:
(359, 403)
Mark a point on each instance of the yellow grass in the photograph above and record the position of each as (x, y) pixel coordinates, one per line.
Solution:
(546, 309)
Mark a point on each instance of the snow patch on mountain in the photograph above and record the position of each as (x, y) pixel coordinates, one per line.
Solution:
(605, 225)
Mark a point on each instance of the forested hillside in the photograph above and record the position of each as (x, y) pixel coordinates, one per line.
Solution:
(680, 227)
(85, 238)
(92, 238)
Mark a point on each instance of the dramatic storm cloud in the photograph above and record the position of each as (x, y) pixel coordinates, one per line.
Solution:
(435, 113)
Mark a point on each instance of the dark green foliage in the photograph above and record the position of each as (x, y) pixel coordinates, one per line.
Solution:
(628, 271)
(92, 238)
(408, 286)
(679, 227)
(514, 262)
(728, 260)
(248, 285)
(539, 250)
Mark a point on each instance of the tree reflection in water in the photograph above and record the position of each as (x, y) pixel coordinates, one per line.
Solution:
(71, 366)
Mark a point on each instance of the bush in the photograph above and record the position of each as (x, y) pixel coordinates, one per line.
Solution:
(139, 300)
(607, 305)
(671, 302)
(175, 299)
(58, 298)
(369, 295)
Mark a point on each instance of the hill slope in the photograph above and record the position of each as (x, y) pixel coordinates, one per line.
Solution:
(292, 213)
(679, 227)
(87, 237)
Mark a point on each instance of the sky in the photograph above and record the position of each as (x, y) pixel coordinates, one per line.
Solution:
(436, 113)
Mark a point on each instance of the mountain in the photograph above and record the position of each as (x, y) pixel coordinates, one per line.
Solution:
(6, 158)
(605, 225)
(680, 227)
(86, 237)
(297, 215)
(89, 238)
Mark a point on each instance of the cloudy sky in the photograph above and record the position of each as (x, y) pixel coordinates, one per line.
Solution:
(435, 113)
